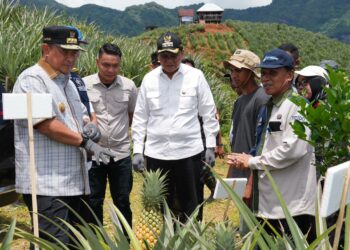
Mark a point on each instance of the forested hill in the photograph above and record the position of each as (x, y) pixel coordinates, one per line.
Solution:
(130, 22)
(330, 17)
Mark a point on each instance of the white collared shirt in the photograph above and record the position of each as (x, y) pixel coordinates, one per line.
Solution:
(166, 113)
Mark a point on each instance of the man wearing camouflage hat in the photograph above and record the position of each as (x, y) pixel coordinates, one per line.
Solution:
(245, 75)
(60, 143)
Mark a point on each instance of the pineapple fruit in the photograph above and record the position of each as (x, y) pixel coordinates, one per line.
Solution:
(150, 223)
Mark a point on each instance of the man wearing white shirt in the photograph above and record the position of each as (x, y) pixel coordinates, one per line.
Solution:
(170, 99)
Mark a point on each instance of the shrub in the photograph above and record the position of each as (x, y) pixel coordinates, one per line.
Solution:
(329, 122)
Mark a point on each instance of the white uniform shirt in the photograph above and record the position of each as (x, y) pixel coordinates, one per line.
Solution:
(166, 114)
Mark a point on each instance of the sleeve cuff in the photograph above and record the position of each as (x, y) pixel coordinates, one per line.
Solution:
(253, 163)
(210, 142)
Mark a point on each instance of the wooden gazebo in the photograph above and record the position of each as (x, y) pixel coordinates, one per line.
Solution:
(210, 13)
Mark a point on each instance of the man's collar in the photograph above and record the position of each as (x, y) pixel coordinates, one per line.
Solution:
(48, 69)
(277, 101)
(180, 70)
(97, 80)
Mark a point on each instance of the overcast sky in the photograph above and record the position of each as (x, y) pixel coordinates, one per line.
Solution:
(121, 5)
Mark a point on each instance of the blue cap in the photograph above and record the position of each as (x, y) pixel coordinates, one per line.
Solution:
(80, 34)
(277, 58)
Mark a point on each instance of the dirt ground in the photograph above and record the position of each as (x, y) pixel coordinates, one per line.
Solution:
(217, 28)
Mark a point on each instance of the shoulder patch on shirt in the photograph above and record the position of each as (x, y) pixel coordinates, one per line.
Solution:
(298, 118)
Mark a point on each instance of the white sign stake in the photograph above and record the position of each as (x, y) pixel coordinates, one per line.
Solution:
(32, 165)
(29, 106)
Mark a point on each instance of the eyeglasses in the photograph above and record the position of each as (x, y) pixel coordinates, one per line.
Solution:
(302, 83)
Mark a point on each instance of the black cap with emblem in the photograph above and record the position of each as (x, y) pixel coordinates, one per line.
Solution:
(169, 42)
(63, 36)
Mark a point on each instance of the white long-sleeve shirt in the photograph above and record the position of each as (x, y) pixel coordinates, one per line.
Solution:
(166, 114)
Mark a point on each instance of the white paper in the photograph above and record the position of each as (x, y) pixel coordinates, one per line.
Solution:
(239, 187)
(333, 189)
(15, 106)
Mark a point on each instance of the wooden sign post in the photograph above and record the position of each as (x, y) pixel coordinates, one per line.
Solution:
(29, 106)
(237, 185)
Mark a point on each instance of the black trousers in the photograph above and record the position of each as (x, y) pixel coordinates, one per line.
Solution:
(52, 208)
(119, 174)
(184, 188)
(305, 222)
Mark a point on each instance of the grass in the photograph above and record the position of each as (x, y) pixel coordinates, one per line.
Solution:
(213, 211)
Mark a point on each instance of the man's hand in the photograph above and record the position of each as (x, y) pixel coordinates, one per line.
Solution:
(210, 157)
(219, 151)
(238, 160)
(138, 163)
(91, 131)
(99, 152)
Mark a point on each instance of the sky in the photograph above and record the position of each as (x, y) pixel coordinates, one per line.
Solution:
(121, 5)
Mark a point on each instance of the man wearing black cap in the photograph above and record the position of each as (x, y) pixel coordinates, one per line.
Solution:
(170, 99)
(60, 144)
(288, 158)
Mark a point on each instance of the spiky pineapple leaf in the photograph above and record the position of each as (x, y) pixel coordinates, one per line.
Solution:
(154, 189)
(6, 242)
(118, 216)
(264, 240)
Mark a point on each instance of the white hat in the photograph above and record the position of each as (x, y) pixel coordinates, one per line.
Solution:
(313, 70)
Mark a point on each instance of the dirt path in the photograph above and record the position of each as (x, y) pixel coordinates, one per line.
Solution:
(217, 28)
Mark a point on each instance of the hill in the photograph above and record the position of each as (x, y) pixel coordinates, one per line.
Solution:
(216, 42)
(329, 17)
(117, 22)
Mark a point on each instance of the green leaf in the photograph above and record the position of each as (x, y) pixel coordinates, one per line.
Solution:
(264, 241)
(133, 240)
(298, 239)
(7, 240)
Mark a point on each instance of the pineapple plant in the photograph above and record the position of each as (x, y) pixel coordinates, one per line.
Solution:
(150, 223)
